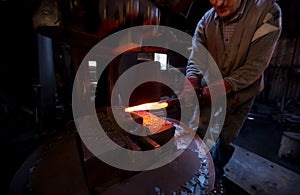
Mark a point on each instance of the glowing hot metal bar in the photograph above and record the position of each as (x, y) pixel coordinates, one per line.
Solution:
(147, 106)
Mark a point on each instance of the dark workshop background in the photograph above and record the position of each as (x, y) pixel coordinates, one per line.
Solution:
(277, 108)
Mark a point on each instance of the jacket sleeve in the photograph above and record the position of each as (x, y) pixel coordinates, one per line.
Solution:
(197, 61)
(260, 51)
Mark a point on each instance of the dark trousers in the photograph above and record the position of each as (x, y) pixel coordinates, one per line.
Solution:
(223, 149)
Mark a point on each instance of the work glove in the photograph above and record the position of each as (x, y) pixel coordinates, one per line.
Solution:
(217, 88)
(187, 93)
(195, 82)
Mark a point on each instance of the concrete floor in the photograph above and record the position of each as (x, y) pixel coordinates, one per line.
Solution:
(20, 137)
(262, 135)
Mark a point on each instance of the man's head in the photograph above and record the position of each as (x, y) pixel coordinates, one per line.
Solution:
(226, 8)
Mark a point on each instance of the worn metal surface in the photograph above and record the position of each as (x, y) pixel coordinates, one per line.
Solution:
(257, 175)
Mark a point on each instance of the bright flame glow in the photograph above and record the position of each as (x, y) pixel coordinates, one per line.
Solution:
(147, 106)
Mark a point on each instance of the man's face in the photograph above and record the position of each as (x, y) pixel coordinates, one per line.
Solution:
(225, 8)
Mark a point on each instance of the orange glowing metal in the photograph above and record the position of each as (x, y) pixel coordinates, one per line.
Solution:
(147, 106)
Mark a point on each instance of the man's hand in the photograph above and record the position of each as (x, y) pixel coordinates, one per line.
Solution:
(195, 82)
(217, 88)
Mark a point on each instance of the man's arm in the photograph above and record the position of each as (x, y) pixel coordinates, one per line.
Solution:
(199, 53)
